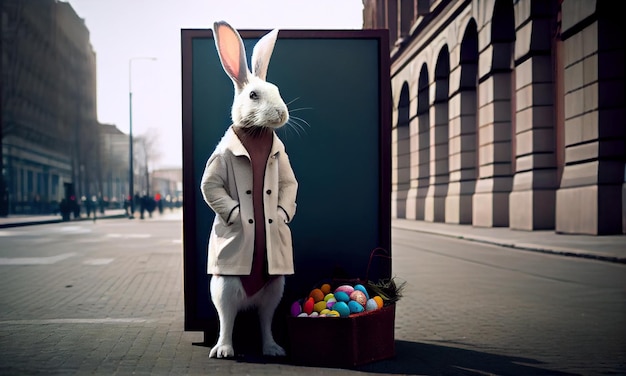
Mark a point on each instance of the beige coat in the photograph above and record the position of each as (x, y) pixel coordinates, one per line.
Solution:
(226, 183)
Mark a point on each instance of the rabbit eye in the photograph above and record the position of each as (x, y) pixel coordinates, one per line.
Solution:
(254, 95)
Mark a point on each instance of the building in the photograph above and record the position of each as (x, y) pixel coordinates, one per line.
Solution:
(167, 183)
(114, 151)
(507, 113)
(48, 105)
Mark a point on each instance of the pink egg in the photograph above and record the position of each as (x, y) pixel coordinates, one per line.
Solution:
(344, 288)
(358, 297)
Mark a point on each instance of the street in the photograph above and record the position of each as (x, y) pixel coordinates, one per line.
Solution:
(107, 298)
(540, 310)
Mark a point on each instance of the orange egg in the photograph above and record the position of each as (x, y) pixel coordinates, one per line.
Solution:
(317, 295)
(325, 288)
(379, 301)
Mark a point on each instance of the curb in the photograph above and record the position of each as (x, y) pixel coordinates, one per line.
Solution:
(559, 251)
(57, 220)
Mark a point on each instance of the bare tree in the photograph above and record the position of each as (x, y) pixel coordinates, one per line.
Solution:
(147, 153)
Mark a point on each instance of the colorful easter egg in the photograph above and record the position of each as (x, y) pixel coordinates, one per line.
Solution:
(371, 305)
(319, 306)
(317, 295)
(379, 300)
(329, 296)
(359, 297)
(296, 309)
(362, 289)
(342, 296)
(314, 314)
(325, 288)
(332, 313)
(307, 307)
(330, 304)
(344, 288)
(355, 307)
(326, 311)
(342, 308)
(303, 314)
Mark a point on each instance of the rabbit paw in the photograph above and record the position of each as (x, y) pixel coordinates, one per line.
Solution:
(222, 351)
(273, 349)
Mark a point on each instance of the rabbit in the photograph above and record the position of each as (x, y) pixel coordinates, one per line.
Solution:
(249, 183)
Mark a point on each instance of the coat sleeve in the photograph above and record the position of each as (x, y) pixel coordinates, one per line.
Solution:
(287, 186)
(214, 187)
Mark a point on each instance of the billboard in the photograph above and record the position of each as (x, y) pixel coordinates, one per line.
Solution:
(336, 84)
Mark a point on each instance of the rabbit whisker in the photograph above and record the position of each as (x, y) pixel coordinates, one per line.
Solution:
(300, 109)
(293, 100)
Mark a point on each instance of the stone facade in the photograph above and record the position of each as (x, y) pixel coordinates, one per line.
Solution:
(507, 113)
(49, 122)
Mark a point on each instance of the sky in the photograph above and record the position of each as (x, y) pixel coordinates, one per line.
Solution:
(124, 30)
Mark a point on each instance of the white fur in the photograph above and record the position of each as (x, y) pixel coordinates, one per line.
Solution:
(229, 298)
(266, 110)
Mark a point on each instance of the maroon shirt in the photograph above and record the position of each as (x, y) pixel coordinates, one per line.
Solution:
(258, 143)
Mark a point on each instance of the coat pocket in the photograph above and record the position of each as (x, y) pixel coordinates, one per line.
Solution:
(225, 239)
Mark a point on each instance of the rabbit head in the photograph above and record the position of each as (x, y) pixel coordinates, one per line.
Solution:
(257, 103)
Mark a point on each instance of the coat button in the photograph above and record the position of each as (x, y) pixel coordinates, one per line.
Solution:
(270, 221)
(248, 191)
(250, 221)
(269, 191)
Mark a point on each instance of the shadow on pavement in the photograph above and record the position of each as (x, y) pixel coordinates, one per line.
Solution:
(431, 359)
(414, 358)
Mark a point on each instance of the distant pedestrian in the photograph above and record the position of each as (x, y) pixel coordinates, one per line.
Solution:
(142, 206)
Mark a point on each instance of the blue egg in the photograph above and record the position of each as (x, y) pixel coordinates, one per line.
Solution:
(362, 289)
(342, 296)
(354, 306)
(371, 305)
(342, 308)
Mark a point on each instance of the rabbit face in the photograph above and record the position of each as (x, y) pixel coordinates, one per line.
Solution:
(259, 104)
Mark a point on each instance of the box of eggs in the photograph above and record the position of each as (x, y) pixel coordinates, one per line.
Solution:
(344, 326)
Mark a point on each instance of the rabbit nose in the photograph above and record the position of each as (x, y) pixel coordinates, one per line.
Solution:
(281, 114)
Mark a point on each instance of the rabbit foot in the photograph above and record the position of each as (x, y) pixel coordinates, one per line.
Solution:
(273, 349)
(222, 351)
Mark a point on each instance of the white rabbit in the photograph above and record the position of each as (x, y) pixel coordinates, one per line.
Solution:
(250, 185)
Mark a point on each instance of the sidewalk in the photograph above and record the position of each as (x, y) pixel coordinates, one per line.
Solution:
(28, 220)
(610, 248)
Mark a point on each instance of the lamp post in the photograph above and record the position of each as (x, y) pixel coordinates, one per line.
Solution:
(130, 133)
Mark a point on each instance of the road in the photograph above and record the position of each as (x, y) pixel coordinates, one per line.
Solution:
(502, 305)
(106, 298)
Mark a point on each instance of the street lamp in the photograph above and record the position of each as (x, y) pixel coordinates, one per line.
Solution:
(130, 132)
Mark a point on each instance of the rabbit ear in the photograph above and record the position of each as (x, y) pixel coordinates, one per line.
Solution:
(232, 52)
(262, 53)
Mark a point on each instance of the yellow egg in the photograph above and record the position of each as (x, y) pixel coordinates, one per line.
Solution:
(319, 306)
(324, 311)
(379, 301)
(328, 296)
(332, 314)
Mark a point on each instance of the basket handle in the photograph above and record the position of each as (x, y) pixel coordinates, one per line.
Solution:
(376, 253)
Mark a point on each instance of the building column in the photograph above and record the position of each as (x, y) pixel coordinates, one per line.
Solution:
(400, 167)
(490, 203)
(435, 210)
(533, 199)
(590, 197)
